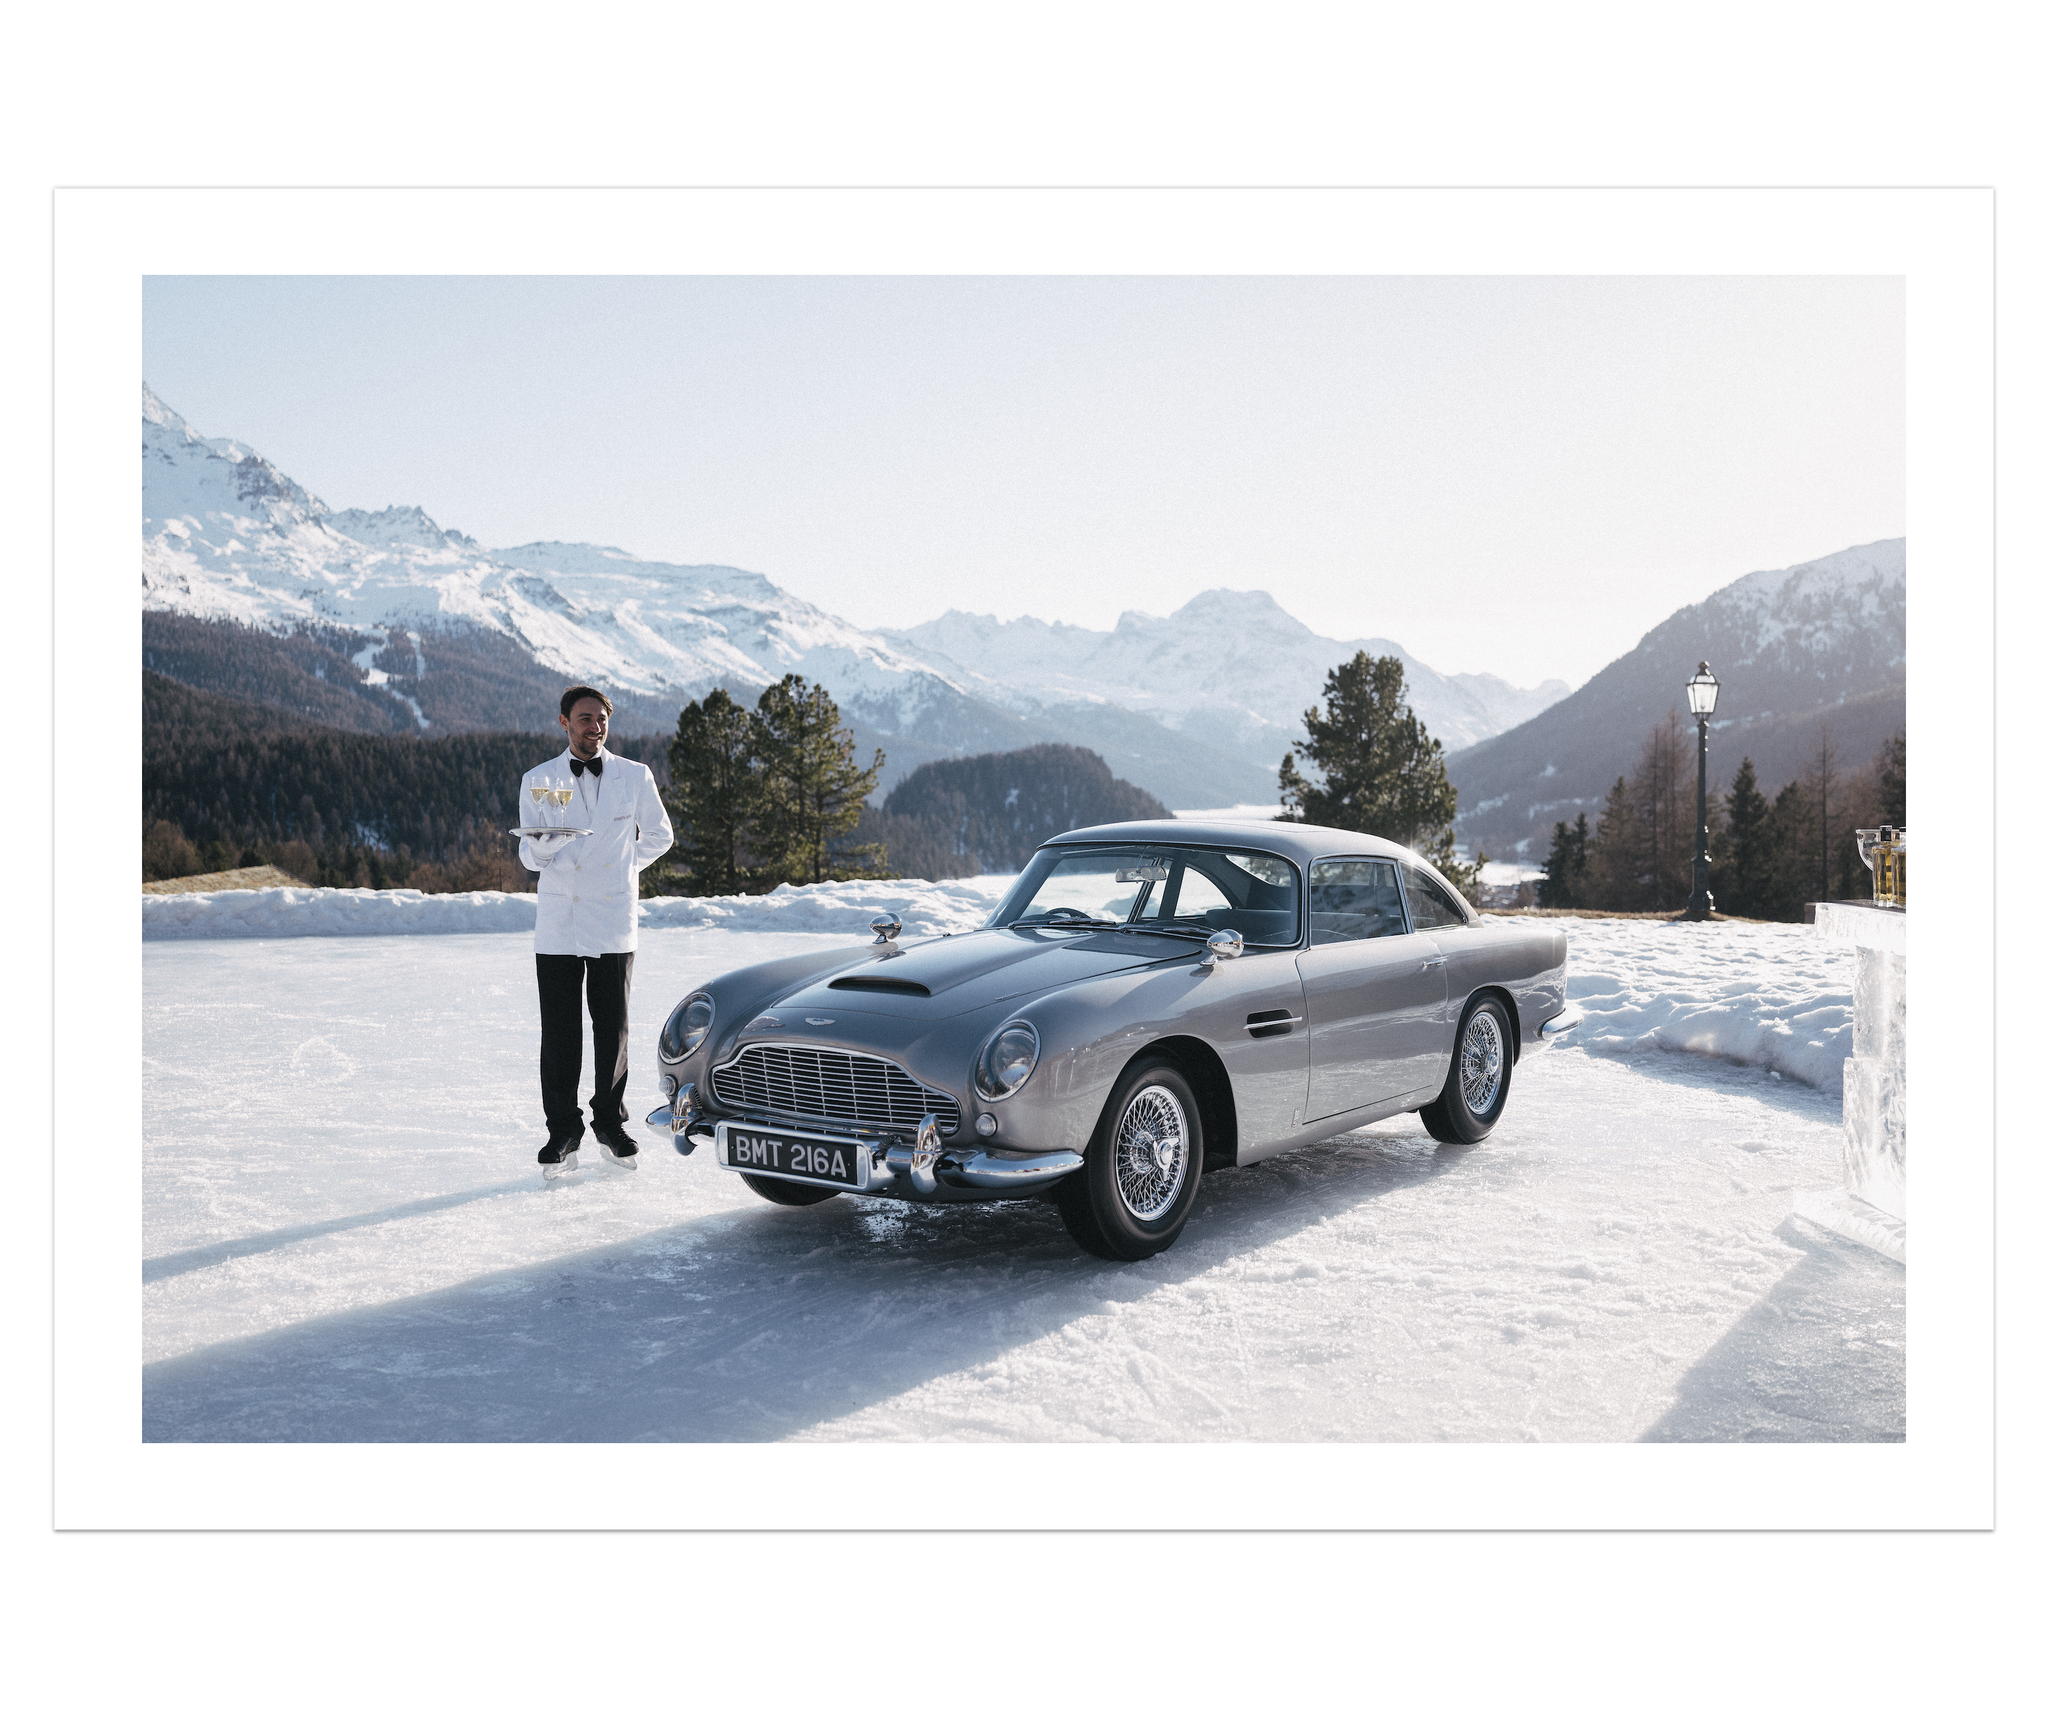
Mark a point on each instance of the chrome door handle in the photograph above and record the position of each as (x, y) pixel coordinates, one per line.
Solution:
(1434, 960)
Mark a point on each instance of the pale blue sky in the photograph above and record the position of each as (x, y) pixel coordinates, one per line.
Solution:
(1515, 475)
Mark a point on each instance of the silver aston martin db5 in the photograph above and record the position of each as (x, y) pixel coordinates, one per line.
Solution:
(1149, 1000)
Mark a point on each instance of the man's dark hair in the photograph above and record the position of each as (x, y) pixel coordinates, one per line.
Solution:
(576, 694)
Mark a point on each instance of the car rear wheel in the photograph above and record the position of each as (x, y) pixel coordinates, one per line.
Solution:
(787, 1192)
(1132, 1194)
(1476, 1089)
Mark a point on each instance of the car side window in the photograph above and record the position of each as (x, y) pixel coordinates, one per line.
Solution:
(1350, 900)
(1434, 910)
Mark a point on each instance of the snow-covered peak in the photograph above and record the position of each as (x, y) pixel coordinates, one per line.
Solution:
(1232, 666)
(1841, 617)
(398, 526)
(226, 534)
(171, 428)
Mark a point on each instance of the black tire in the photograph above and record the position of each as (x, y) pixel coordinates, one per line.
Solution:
(1123, 1203)
(1482, 1067)
(788, 1192)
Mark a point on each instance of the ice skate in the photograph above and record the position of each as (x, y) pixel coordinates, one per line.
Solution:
(558, 1158)
(618, 1148)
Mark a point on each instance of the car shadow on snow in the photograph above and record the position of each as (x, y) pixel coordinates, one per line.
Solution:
(746, 1325)
(1820, 1359)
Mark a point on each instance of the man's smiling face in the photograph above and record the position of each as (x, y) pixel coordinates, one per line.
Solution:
(585, 725)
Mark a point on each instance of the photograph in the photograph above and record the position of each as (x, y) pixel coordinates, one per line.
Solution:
(1187, 858)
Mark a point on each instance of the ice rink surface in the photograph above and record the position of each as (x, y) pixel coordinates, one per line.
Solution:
(345, 1237)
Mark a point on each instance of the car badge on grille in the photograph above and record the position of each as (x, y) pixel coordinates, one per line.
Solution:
(817, 1020)
(762, 1022)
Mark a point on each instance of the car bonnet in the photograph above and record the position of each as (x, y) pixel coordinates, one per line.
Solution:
(954, 975)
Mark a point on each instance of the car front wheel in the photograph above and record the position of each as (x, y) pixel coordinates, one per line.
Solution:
(1132, 1194)
(1476, 1090)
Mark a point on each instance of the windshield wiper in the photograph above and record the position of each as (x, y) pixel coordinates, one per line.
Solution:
(1067, 916)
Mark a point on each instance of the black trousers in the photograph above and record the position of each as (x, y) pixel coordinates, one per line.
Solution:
(563, 978)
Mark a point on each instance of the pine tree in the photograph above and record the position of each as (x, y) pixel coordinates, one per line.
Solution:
(1564, 872)
(813, 787)
(1381, 772)
(1787, 855)
(715, 795)
(1740, 882)
(1822, 780)
(1615, 857)
(1891, 781)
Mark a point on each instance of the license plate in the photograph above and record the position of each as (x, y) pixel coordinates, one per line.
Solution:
(814, 1157)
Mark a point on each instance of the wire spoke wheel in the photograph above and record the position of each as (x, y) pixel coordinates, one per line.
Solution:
(1481, 1057)
(1151, 1152)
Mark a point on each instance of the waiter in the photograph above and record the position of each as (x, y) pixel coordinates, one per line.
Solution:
(588, 924)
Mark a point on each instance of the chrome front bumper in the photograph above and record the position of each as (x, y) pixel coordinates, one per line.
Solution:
(922, 1167)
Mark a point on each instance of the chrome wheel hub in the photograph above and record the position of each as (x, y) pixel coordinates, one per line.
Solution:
(1151, 1152)
(1481, 1061)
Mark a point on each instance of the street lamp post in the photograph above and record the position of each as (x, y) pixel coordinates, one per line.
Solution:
(1700, 692)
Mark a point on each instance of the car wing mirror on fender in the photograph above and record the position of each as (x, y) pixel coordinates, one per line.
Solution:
(1223, 945)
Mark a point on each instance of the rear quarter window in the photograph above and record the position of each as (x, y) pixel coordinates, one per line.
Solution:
(1431, 905)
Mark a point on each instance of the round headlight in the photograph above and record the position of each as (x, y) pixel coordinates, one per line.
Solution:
(686, 1027)
(1007, 1061)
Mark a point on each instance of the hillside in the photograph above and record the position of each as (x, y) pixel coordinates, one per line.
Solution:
(1793, 648)
(996, 809)
(230, 770)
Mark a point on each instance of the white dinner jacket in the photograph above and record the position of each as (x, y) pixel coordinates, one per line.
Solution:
(590, 889)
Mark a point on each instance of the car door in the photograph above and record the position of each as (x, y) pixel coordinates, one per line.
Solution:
(1251, 1011)
(1435, 912)
(1375, 990)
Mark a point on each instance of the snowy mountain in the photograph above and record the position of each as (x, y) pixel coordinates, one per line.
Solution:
(1793, 648)
(226, 535)
(1232, 668)
(1197, 707)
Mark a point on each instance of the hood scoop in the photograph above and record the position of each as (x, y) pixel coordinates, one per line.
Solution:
(888, 986)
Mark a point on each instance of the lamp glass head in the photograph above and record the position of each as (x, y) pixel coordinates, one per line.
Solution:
(1701, 691)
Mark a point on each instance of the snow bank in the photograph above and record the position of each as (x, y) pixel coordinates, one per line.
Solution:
(832, 908)
(1773, 996)
(927, 909)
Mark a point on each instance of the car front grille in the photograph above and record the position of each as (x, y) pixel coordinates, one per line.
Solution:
(799, 1083)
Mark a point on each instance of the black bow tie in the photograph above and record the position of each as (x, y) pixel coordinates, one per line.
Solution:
(596, 765)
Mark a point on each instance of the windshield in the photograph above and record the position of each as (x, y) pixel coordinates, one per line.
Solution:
(1184, 891)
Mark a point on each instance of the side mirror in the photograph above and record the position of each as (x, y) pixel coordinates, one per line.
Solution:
(1223, 945)
(887, 927)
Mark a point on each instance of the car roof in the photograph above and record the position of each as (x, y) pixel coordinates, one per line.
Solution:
(1298, 841)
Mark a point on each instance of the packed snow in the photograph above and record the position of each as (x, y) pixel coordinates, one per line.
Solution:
(345, 1237)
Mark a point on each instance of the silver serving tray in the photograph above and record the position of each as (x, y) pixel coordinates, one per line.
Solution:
(545, 829)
